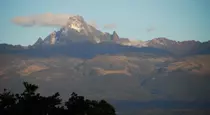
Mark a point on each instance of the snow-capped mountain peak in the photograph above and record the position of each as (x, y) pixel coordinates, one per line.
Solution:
(75, 30)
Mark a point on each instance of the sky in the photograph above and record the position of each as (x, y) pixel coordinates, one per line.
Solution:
(134, 19)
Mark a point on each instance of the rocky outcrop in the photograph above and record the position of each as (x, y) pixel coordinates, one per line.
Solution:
(52, 38)
(115, 37)
(77, 23)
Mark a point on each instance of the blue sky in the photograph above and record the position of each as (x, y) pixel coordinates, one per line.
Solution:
(134, 19)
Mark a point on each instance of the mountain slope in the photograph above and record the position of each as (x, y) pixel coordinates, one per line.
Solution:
(83, 50)
(123, 77)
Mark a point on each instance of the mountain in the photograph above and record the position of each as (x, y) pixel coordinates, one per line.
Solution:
(78, 57)
(203, 48)
(179, 48)
(76, 30)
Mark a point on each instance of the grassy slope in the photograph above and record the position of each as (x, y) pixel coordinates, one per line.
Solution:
(126, 77)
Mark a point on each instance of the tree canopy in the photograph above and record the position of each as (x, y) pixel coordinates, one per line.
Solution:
(31, 103)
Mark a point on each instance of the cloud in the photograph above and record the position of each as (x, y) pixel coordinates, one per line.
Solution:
(151, 29)
(110, 26)
(47, 19)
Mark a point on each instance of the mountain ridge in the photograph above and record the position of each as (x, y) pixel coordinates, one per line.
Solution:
(78, 30)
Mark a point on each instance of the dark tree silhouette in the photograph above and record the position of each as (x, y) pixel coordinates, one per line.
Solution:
(31, 103)
(77, 105)
(7, 102)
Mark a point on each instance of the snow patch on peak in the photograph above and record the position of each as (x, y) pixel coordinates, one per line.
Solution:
(76, 27)
(76, 22)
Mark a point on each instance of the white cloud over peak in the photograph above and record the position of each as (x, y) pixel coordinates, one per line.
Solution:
(50, 19)
(47, 19)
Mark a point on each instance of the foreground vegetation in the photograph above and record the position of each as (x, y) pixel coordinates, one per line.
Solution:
(31, 103)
